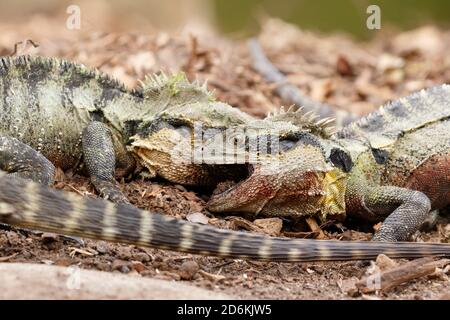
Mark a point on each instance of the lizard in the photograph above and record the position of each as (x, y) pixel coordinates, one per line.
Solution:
(60, 113)
(120, 117)
(391, 165)
(28, 204)
(194, 144)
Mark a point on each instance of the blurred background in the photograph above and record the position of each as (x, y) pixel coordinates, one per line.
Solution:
(323, 47)
(236, 18)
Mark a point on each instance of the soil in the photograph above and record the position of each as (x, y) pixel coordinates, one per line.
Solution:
(335, 69)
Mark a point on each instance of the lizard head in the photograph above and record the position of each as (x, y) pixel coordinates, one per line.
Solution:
(303, 175)
(185, 113)
(171, 145)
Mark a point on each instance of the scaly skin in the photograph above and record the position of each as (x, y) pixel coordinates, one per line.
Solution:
(24, 203)
(191, 145)
(57, 113)
(394, 163)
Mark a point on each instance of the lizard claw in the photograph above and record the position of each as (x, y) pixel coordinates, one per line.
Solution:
(117, 198)
(110, 191)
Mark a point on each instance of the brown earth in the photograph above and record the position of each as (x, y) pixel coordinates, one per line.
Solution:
(353, 76)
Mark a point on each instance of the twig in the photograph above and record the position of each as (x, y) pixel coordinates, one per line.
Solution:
(312, 223)
(74, 189)
(393, 277)
(7, 258)
(300, 234)
(226, 263)
(24, 45)
(211, 276)
(74, 251)
(193, 53)
(290, 93)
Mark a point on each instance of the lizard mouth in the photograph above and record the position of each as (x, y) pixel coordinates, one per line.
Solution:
(171, 155)
(161, 164)
(289, 184)
(227, 186)
(249, 194)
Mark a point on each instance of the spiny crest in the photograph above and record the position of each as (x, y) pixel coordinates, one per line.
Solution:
(305, 120)
(175, 87)
(60, 66)
(383, 126)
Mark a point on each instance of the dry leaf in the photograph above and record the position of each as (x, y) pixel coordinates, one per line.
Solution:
(197, 217)
(271, 226)
(142, 62)
(388, 62)
(426, 41)
(343, 66)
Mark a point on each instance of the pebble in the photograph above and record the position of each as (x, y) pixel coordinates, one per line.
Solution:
(120, 265)
(188, 270)
(101, 247)
(13, 238)
(138, 266)
(141, 257)
(124, 253)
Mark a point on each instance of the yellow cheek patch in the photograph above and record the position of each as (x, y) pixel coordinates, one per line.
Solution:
(334, 187)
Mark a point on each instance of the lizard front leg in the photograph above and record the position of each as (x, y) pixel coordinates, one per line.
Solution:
(100, 161)
(21, 160)
(407, 210)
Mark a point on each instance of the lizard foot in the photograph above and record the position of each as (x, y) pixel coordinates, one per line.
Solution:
(110, 191)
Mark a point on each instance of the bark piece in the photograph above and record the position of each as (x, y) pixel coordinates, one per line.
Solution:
(391, 278)
(312, 223)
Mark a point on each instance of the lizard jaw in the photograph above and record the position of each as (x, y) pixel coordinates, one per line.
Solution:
(293, 184)
(161, 155)
(166, 154)
(248, 195)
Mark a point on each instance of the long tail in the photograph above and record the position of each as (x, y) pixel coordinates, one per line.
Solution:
(31, 205)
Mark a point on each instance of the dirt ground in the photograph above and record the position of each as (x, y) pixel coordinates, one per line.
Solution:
(335, 69)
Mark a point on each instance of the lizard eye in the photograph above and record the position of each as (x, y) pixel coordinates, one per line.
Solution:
(183, 129)
(292, 140)
(180, 126)
(287, 144)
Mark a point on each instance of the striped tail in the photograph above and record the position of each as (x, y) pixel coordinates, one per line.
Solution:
(28, 204)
